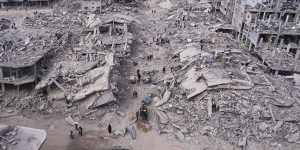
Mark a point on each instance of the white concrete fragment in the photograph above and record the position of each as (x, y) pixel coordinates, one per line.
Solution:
(165, 98)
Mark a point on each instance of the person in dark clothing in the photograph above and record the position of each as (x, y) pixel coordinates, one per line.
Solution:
(164, 70)
(71, 134)
(109, 129)
(76, 126)
(67, 100)
(137, 115)
(138, 75)
(80, 132)
(144, 112)
(135, 94)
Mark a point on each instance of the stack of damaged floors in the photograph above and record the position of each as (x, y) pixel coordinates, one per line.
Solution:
(22, 56)
(87, 76)
(226, 93)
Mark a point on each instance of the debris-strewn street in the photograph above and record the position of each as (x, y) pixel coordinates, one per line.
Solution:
(149, 74)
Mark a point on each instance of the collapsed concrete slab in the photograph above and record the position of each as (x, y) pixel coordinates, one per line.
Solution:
(21, 138)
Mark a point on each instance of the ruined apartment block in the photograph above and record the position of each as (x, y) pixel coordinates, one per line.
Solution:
(268, 28)
(22, 56)
(112, 35)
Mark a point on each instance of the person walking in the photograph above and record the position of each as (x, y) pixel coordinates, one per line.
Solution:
(109, 128)
(138, 75)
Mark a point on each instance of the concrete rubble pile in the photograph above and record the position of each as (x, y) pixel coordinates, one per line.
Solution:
(5, 24)
(18, 43)
(199, 74)
(56, 20)
(75, 70)
(217, 89)
(87, 72)
(18, 137)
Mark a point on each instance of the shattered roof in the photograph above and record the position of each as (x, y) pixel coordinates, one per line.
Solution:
(22, 50)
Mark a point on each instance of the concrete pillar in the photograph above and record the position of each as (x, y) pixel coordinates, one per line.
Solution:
(17, 73)
(269, 19)
(18, 90)
(269, 41)
(10, 73)
(247, 42)
(2, 87)
(296, 20)
(276, 73)
(281, 42)
(277, 4)
(264, 16)
(239, 36)
(286, 19)
(110, 30)
(250, 46)
(34, 70)
(261, 40)
(1, 73)
(125, 28)
(296, 59)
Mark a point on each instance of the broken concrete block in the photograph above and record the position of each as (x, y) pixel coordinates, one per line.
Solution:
(165, 98)
(27, 138)
(293, 138)
(179, 136)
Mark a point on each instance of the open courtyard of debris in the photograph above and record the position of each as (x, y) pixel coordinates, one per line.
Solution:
(149, 74)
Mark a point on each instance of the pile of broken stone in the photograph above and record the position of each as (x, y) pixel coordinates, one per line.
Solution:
(222, 91)
(18, 137)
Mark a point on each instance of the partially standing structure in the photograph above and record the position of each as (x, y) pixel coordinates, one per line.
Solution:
(271, 29)
(21, 59)
(94, 6)
(110, 34)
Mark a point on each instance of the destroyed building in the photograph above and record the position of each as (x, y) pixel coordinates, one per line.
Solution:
(22, 56)
(94, 5)
(192, 64)
(24, 3)
(110, 34)
(5, 24)
(268, 28)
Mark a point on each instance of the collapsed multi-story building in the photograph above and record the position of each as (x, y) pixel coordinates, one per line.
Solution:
(22, 56)
(270, 29)
(110, 34)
